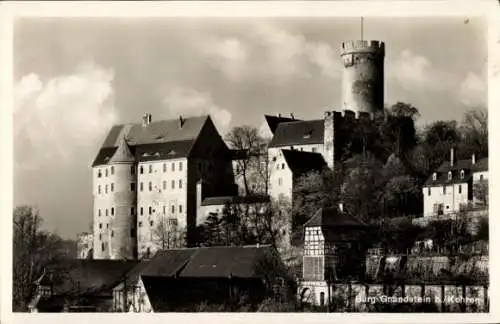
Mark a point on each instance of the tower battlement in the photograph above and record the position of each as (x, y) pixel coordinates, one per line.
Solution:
(362, 46)
(349, 115)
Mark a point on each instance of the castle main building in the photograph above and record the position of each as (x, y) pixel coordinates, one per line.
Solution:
(145, 176)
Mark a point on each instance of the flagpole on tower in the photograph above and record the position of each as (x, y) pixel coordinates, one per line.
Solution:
(362, 28)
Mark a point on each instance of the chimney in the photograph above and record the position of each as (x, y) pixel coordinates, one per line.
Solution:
(291, 115)
(473, 158)
(452, 156)
(181, 121)
(279, 115)
(146, 119)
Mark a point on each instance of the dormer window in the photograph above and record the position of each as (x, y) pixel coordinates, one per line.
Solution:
(449, 175)
(434, 176)
(462, 174)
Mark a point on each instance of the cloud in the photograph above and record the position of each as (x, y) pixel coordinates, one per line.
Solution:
(273, 53)
(191, 102)
(411, 70)
(55, 118)
(473, 91)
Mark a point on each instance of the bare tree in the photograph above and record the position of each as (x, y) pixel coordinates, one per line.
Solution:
(252, 168)
(34, 251)
(167, 234)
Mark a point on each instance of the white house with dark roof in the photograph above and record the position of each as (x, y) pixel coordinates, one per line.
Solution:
(450, 188)
(146, 173)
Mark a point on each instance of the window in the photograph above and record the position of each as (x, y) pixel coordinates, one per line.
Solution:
(449, 175)
(107, 225)
(173, 166)
(140, 224)
(459, 189)
(313, 150)
(282, 166)
(112, 233)
(106, 172)
(112, 211)
(180, 166)
(481, 177)
(173, 209)
(462, 174)
(277, 166)
(428, 191)
(164, 185)
(106, 189)
(132, 169)
(164, 210)
(112, 170)
(102, 247)
(132, 211)
(444, 190)
(434, 176)
(141, 169)
(106, 212)
(164, 167)
(180, 208)
(180, 183)
(150, 210)
(150, 186)
(99, 173)
(100, 237)
(280, 181)
(132, 186)
(99, 189)
(172, 221)
(99, 212)
(112, 187)
(100, 225)
(151, 223)
(322, 299)
(150, 168)
(274, 159)
(173, 184)
(141, 186)
(142, 211)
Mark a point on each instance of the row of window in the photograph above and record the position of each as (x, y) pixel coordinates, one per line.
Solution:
(141, 186)
(444, 190)
(103, 246)
(111, 171)
(165, 167)
(99, 212)
(151, 210)
(111, 188)
(164, 185)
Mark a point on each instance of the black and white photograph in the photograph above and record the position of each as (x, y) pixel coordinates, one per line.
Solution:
(273, 164)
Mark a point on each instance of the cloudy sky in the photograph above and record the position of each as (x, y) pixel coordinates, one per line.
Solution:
(75, 78)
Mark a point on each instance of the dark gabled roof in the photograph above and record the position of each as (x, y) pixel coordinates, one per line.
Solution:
(225, 261)
(302, 162)
(92, 276)
(481, 165)
(459, 165)
(333, 217)
(168, 263)
(163, 151)
(442, 178)
(274, 121)
(251, 199)
(298, 133)
(156, 134)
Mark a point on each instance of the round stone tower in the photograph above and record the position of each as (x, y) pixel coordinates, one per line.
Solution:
(363, 79)
(122, 235)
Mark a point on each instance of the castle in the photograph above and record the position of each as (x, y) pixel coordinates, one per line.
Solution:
(148, 175)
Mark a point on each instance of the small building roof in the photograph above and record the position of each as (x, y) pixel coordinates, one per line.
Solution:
(301, 162)
(303, 132)
(459, 165)
(333, 217)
